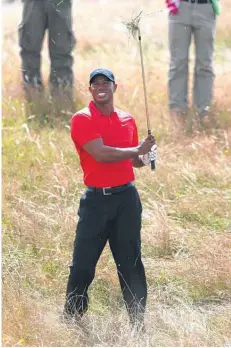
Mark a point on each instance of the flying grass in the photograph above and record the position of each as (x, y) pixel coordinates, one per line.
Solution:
(133, 25)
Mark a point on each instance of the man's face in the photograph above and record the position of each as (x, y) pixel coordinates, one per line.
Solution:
(102, 89)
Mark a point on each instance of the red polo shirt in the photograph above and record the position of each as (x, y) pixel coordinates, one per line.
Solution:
(117, 130)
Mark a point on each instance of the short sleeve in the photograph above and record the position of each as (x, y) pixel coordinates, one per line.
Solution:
(83, 129)
(135, 140)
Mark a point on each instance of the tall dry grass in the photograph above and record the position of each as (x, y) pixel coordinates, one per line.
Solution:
(186, 215)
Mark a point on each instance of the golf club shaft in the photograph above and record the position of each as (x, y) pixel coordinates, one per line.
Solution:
(145, 93)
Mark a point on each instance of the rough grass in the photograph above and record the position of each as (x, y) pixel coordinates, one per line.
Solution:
(186, 216)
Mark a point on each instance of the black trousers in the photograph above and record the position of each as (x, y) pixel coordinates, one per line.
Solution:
(115, 218)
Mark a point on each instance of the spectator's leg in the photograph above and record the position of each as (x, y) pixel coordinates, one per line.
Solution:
(61, 44)
(204, 34)
(179, 41)
(31, 34)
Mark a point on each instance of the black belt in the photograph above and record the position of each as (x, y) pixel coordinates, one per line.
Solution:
(197, 1)
(106, 191)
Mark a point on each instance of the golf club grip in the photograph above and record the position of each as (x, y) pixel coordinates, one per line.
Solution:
(153, 165)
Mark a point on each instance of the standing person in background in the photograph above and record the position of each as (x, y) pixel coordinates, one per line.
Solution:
(56, 17)
(189, 18)
(106, 140)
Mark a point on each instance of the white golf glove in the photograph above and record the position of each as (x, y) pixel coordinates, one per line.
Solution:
(150, 156)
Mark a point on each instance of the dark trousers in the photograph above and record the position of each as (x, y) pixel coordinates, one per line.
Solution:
(54, 15)
(115, 218)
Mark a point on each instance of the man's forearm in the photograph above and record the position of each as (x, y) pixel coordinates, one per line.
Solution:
(104, 153)
(115, 154)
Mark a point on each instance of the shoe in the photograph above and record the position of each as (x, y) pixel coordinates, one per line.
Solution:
(178, 121)
(137, 323)
(138, 328)
(204, 118)
(70, 318)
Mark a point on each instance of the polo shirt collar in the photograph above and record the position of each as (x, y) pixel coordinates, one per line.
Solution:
(96, 112)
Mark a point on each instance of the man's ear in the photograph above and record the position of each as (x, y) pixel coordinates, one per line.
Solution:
(115, 87)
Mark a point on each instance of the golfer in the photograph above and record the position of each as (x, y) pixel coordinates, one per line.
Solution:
(110, 209)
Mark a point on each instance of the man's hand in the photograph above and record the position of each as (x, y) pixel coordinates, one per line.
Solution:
(146, 145)
(148, 157)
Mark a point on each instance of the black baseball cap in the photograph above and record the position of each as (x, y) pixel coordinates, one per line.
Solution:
(102, 71)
